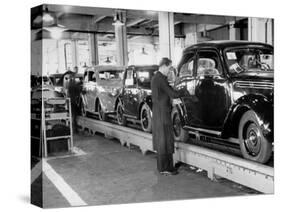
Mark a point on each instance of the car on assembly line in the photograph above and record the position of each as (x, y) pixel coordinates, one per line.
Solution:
(231, 88)
(59, 80)
(101, 87)
(134, 101)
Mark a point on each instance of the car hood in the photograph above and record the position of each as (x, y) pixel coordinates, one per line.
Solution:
(255, 76)
(254, 85)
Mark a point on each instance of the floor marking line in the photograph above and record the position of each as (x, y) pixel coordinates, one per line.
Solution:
(75, 153)
(36, 171)
(68, 193)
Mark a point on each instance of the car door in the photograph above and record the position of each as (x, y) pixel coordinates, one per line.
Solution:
(210, 90)
(129, 93)
(186, 80)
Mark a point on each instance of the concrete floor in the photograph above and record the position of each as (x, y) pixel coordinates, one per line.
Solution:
(112, 174)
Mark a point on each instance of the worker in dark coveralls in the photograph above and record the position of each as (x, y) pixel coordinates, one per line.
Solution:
(73, 92)
(162, 135)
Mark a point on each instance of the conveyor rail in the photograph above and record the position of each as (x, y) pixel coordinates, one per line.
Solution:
(253, 175)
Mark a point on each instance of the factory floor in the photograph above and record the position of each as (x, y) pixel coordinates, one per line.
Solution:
(104, 172)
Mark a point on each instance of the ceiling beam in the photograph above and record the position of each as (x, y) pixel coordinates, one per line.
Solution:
(81, 10)
(134, 22)
(142, 14)
(203, 19)
(98, 18)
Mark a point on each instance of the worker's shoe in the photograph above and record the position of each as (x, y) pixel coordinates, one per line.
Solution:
(168, 173)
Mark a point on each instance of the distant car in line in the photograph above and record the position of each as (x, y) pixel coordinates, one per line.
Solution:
(231, 88)
(59, 81)
(101, 88)
(135, 101)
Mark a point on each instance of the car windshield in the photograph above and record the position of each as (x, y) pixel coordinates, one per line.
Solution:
(56, 80)
(248, 60)
(111, 75)
(144, 77)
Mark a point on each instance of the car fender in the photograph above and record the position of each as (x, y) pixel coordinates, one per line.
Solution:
(148, 101)
(260, 105)
(181, 109)
(118, 99)
(84, 100)
(145, 100)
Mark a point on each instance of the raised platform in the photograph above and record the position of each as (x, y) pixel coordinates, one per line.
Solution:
(253, 175)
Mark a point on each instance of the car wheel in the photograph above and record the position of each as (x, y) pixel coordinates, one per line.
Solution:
(254, 146)
(180, 134)
(101, 113)
(145, 118)
(121, 120)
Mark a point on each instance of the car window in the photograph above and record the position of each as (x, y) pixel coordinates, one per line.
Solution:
(144, 77)
(208, 64)
(92, 77)
(86, 75)
(129, 74)
(110, 75)
(187, 68)
(249, 59)
(187, 58)
(129, 80)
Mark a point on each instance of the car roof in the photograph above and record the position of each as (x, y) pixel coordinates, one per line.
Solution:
(106, 67)
(143, 66)
(222, 44)
(56, 75)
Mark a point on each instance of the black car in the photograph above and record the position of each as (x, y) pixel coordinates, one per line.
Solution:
(135, 101)
(231, 88)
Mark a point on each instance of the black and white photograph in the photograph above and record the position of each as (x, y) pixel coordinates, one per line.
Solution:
(142, 106)
(131, 106)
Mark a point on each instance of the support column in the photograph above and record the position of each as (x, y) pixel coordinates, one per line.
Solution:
(93, 50)
(234, 33)
(58, 55)
(260, 30)
(166, 34)
(121, 38)
(74, 53)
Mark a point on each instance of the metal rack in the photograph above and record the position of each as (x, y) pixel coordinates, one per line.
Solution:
(48, 114)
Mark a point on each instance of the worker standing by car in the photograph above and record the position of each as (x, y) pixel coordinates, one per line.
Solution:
(162, 136)
(73, 92)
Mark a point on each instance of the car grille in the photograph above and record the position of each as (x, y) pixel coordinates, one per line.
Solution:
(256, 85)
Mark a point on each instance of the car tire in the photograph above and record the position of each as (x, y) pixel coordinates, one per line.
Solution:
(145, 118)
(253, 145)
(102, 115)
(180, 134)
(121, 119)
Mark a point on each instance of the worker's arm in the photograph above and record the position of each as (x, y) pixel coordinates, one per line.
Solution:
(171, 92)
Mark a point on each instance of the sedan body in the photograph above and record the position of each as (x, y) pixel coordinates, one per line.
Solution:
(231, 88)
(101, 87)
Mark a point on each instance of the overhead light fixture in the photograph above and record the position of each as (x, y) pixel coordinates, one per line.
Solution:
(47, 17)
(119, 19)
(55, 30)
(107, 60)
(49, 23)
(143, 51)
